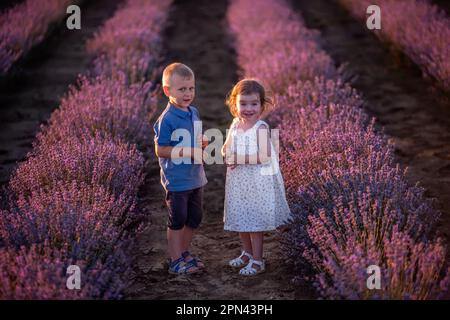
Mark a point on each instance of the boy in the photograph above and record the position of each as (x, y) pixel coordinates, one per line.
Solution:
(183, 180)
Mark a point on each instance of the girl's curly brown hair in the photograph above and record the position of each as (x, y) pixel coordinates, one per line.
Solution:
(246, 87)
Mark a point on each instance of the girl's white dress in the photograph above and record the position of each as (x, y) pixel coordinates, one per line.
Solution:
(255, 197)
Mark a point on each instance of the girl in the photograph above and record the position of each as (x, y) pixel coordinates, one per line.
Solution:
(255, 198)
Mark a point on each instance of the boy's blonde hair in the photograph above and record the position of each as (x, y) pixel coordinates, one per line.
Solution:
(176, 68)
(249, 86)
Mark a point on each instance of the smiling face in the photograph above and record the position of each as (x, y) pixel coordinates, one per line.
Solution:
(181, 90)
(248, 106)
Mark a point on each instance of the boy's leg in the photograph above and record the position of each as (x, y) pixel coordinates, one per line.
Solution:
(177, 203)
(175, 243)
(195, 215)
(188, 233)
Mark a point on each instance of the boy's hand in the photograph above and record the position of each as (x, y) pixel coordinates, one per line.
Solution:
(202, 140)
(205, 142)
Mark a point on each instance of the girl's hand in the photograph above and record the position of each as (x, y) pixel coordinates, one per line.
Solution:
(230, 160)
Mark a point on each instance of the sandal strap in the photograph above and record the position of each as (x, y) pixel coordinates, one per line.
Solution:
(245, 253)
(179, 266)
(237, 262)
(250, 270)
(194, 260)
(186, 254)
(176, 262)
(257, 262)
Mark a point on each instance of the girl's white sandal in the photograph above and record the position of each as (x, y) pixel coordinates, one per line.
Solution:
(238, 262)
(249, 270)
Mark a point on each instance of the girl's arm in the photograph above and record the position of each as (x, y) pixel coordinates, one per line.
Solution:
(227, 144)
(230, 158)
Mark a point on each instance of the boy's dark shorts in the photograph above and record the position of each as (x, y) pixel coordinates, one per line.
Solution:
(185, 208)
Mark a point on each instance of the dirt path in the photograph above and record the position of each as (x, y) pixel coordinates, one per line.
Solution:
(7, 4)
(396, 95)
(443, 4)
(34, 90)
(197, 38)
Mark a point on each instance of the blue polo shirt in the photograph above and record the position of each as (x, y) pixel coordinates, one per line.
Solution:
(178, 174)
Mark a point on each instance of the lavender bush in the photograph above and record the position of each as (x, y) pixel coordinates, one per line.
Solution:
(25, 25)
(39, 272)
(130, 46)
(312, 94)
(302, 59)
(106, 106)
(92, 160)
(409, 269)
(85, 219)
(345, 190)
(417, 28)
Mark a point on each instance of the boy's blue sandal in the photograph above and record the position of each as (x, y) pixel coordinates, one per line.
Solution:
(179, 266)
(195, 260)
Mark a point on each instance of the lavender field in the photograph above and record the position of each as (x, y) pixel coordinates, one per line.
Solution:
(364, 135)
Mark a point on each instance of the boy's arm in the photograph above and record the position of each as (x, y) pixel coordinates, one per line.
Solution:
(163, 149)
(177, 152)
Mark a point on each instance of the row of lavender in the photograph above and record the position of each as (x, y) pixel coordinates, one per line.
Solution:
(351, 204)
(25, 25)
(416, 27)
(72, 202)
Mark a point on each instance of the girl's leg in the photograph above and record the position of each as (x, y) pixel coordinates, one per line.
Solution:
(246, 242)
(257, 245)
(254, 266)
